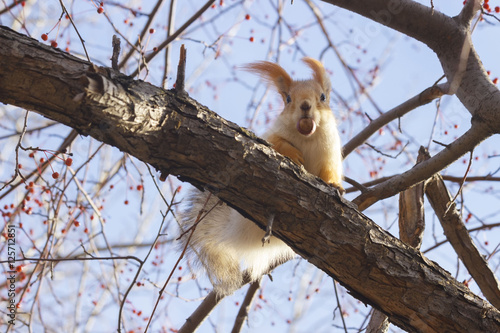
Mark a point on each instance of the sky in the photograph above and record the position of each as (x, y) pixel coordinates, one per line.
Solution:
(226, 37)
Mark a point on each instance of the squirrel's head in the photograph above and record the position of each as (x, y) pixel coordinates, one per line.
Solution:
(306, 102)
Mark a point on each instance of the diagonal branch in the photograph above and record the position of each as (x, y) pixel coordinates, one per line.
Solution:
(422, 171)
(458, 236)
(449, 38)
(423, 98)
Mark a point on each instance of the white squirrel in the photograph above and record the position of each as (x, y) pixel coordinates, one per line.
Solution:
(227, 245)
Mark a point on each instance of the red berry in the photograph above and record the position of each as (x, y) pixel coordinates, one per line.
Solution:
(68, 161)
(53, 43)
(139, 187)
(55, 175)
(151, 31)
(252, 39)
(76, 223)
(45, 37)
(126, 202)
(247, 17)
(100, 10)
(497, 9)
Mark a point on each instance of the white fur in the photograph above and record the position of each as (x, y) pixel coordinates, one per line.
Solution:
(226, 244)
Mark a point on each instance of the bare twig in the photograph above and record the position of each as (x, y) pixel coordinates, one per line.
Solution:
(16, 168)
(385, 154)
(170, 31)
(352, 72)
(482, 227)
(136, 46)
(181, 72)
(175, 34)
(192, 230)
(116, 52)
(461, 183)
(423, 98)
(355, 184)
(339, 306)
(39, 171)
(245, 306)
(76, 30)
(78, 259)
(132, 284)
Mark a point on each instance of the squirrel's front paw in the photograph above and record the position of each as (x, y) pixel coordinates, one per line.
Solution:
(285, 148)
(339, 188)
(296, 156)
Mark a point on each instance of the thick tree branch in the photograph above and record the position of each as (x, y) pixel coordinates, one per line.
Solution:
(449, 37)
(458, 236)
(422, 171)
(175, 134)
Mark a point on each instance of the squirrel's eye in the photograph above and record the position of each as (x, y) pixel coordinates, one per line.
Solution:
(288, 99)
(322, 97)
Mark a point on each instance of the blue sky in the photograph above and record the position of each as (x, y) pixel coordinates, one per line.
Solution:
(405, 67)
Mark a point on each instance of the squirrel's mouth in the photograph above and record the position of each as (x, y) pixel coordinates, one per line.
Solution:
(306, 126)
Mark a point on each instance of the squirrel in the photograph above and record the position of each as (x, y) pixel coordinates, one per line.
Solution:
(305, 131)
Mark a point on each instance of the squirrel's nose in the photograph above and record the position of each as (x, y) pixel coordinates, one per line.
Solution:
(305, 106)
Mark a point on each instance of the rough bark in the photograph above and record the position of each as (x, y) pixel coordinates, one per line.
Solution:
(177, 135)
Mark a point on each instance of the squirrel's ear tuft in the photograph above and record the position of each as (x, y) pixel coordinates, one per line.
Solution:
(273, 74)
(319, 74)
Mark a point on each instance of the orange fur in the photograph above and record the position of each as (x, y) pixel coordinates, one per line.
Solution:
(320, 152)
(331, 176)
(286, 149)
